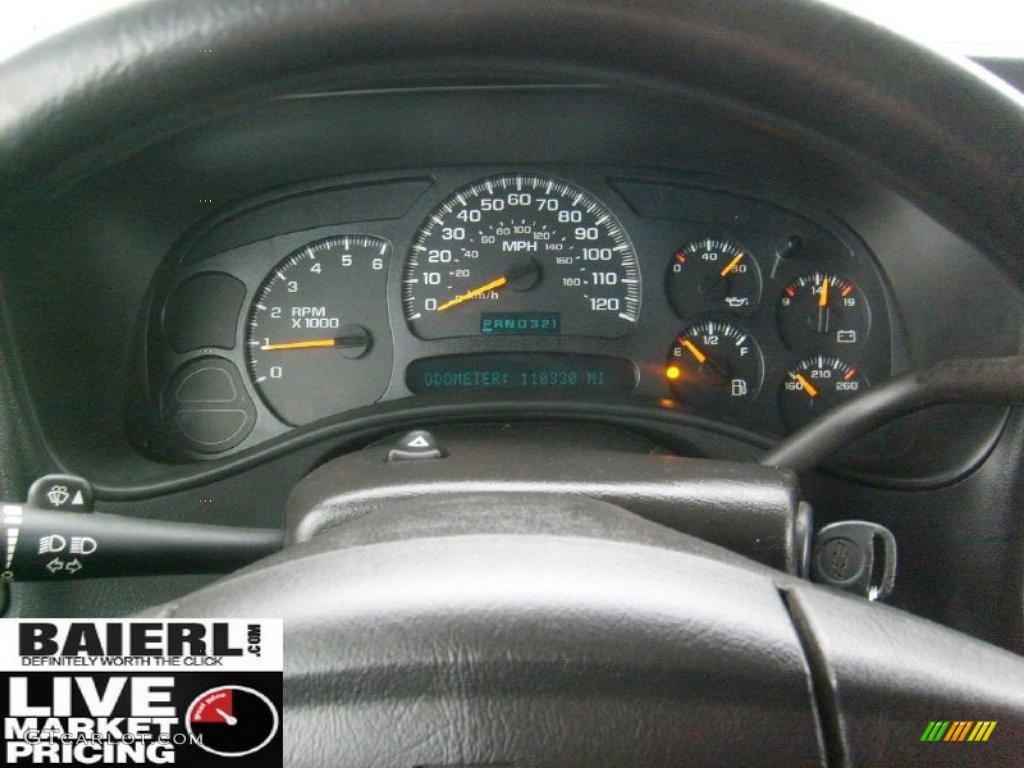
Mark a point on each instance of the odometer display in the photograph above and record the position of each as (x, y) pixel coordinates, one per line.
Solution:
(521, 244)
(537, 372)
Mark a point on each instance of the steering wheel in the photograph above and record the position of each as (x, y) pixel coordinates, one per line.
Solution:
(528, 627)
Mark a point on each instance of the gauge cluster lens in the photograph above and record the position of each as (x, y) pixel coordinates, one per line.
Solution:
(715, 364)
(521, 254)
(317, 339)
(713, 274)
(528, 284)
(817, 385)
(822, 308)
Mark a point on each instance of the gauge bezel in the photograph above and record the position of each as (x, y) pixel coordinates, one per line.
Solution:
(659, 211)
(802, 342)
(713, 403)
(701, 304)
(822, 360)
(378, 351)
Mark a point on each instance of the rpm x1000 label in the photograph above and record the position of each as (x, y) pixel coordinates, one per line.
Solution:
(196, 693)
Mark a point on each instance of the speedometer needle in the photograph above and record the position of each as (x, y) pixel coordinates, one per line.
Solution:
(494, 284)
(522, 277)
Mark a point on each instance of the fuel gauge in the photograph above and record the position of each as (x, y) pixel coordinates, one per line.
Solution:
(715, 365)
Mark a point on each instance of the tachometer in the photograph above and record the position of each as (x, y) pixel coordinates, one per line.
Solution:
(521, 254)
(318, 340)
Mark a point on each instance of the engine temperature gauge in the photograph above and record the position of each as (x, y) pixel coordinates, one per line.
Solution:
(816, 385)
(715, 365)
(819, 308)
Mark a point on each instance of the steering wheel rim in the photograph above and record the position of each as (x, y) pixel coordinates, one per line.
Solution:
(951, 133)
(108, 87)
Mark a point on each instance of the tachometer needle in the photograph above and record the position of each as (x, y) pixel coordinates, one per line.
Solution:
(299, 345)
(809, 388)
(731, 265)
(695, 351)
(355, 340)
(493, 285)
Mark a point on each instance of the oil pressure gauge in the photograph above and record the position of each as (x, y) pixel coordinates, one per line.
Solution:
(715, 365)
(713, 275)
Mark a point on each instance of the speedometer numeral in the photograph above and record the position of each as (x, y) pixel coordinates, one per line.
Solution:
(521, 243)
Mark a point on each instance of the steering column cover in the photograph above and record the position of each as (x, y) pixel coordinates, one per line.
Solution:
(409, 647)
(538, 630)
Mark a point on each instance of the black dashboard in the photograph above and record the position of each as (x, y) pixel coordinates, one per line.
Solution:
(114, 295)
(561, 282)
(131, 286)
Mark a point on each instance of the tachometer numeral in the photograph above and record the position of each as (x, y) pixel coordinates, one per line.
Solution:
(317, 337)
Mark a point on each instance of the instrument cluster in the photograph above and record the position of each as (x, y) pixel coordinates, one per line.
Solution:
(713, 298)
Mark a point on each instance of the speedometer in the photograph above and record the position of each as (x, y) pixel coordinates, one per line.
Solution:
(521, 254)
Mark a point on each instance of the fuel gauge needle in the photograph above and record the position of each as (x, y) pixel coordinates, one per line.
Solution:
(694, 350)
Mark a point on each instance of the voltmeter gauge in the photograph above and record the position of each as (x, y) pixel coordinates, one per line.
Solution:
(822, 308)
(715, 365)
(713, 275)
(817, 385)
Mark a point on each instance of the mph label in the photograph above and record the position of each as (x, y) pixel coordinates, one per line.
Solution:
(191, 692)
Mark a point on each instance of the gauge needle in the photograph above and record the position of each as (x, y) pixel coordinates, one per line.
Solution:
(809, 388)
(823, 310)
(731, 265)
(338, 341)
(229, 719)
(474, 293)
(695, 351)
